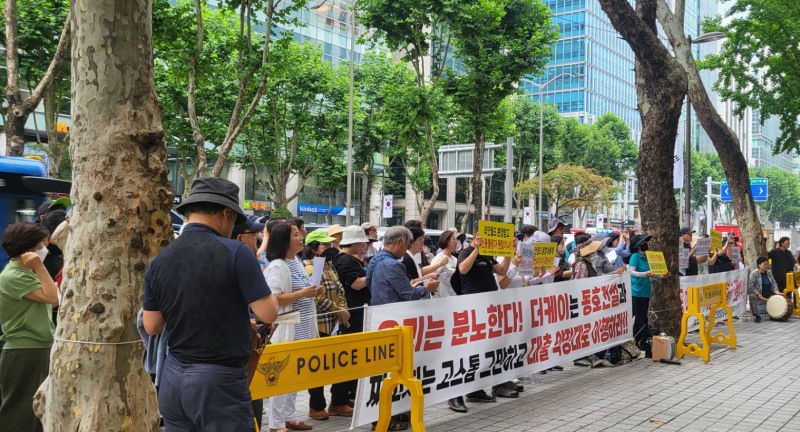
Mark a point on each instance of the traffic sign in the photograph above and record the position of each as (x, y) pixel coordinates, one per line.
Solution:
(759, 188)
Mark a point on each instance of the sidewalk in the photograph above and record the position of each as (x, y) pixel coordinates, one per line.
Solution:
(751, 388)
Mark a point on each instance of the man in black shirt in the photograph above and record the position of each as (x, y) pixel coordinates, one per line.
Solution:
(477, 276)
(686, 241)
(782, 262)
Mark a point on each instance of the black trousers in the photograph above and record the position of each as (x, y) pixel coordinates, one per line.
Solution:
(641, 329)
(21, 373)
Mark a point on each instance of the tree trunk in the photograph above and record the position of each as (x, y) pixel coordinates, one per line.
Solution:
(477, 171)
(661, 86)
(56, 147)
(120, 219)
(199, 140)
(725, 141)
(366, 194)
(433, 162)
(19, 109)
(465, 228)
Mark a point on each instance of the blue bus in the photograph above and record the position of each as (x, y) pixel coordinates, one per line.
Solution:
(23, 188)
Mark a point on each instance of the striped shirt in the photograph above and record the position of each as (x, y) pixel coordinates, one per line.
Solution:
(306, 305)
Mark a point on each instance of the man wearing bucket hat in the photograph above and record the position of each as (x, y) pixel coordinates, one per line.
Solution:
(199, 289)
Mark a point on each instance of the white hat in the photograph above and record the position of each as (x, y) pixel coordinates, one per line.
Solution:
(353, 234)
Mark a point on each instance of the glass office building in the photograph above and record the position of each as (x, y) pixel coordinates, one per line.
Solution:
(600, 62)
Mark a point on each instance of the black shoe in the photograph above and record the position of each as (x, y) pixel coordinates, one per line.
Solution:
(557, 368)
(480, 396)
(514, 386)
(505, 392)
(457, 404)
(758, 318)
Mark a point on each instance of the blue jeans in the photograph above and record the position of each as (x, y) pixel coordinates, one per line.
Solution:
(204, 397)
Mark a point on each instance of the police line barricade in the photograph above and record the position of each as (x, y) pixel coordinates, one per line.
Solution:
(713, 295)
(736, 281)
(293, 366)
(471, 342)
(792, 278)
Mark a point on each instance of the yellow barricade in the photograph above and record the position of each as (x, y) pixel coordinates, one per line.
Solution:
(293, 366)
(791, 288)
(716, 296)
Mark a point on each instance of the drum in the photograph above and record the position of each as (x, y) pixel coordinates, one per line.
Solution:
(779, 308)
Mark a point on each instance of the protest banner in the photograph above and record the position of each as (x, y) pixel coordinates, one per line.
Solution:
(526, 266)
(683, 258)
(657, 262)
(497, 238)
(736, 281)
(716, 239)
(543, 255)
(702, 246)
(472, 342)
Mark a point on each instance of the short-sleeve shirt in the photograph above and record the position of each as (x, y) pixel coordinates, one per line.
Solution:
(26, 323)
(202, 284)
(480, 278)
(640, 286)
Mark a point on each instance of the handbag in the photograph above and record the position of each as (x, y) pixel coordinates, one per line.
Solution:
(258, 340)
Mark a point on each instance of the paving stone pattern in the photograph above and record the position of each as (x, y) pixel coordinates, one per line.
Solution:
(752, 388)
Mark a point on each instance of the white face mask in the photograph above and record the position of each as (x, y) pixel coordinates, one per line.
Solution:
(42, 252)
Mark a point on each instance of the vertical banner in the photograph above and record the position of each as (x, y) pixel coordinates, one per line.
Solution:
(600, 222)
(471, 342)
(527, 219)
(388, 203)
(736, 281)
(497, 238)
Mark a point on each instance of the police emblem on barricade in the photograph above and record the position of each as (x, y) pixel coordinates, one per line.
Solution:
(272, 370)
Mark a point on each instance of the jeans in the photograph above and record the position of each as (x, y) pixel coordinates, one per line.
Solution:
(204, 397)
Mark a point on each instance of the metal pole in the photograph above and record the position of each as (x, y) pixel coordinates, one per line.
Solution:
(347, 204)
(509, 178)
(687, 168)
(709, 216)
(541, 157)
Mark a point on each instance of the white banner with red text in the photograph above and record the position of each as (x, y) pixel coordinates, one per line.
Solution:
(471, 342)
(737, 293)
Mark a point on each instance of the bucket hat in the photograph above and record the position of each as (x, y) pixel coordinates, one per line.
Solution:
(217, 191)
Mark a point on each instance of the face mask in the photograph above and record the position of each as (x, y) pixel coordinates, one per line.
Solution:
(42, 252)
(643, 247)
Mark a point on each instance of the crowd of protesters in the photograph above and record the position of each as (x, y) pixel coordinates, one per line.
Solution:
(217, 288)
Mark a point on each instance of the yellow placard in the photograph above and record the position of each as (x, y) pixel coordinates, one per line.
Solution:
(544, 255)
(657, 262)
(716, 239)
(710, 294)
(293, 366)
(497, 238)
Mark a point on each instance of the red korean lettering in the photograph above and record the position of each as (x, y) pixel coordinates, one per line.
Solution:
(460, 328)
(433, 334)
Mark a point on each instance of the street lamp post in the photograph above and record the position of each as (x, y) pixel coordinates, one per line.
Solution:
(323, 7)
(687, 160)
(541, 136)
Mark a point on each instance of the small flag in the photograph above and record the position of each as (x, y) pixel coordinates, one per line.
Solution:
(387, 206)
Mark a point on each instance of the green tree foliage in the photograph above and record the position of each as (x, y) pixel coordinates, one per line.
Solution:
(570, 187)
(526, 135)
(704, 165)
(300, 123)
(499, 42)
(784, 196)
(759, 61)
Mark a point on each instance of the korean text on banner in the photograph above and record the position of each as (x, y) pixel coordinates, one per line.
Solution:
(471, 342)
(736, 281)
(497, 238)
(716, 239)
(657, 262)
(736, 255)
(543, 255)
(702, 246)
(526, 266)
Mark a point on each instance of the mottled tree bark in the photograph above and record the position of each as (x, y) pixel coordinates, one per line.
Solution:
(725, 141)
(119, 221)
(660, 86)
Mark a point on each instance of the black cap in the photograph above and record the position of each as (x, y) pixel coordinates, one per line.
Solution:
(687, 230)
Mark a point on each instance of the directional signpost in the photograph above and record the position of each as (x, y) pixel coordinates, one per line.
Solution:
(759, 188)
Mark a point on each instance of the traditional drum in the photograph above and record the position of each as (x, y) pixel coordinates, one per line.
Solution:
(779, 308)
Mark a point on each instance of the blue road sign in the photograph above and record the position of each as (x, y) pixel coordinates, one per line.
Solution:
(759, 188)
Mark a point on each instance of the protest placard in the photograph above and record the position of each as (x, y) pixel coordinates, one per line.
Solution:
(543, 255)
(657, 262)
(526, 266)
(702, 246)
(497, 238)
(716, 239)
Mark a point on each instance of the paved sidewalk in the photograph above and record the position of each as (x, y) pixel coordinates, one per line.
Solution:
(754, 387)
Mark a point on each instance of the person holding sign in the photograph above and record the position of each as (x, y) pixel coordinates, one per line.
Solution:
(602, 259)
(720, 261)
(691, 268)
(640, 290)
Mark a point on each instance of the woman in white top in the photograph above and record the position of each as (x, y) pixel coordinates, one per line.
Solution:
(288, 280)
(448, 242)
